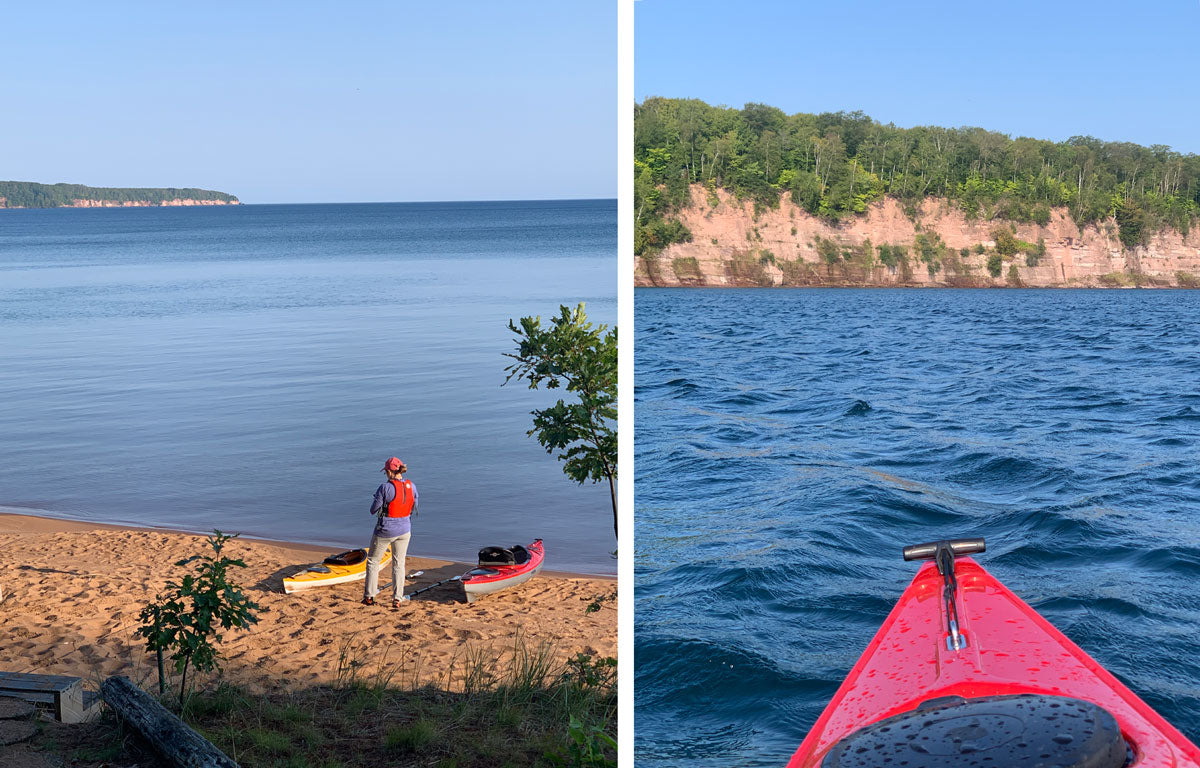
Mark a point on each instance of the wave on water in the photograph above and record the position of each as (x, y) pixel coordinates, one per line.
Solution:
(835, 426)
(1186, 413)
(859, 408)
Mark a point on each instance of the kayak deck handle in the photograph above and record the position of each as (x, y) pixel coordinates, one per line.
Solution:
(957, 546)
(944, 552)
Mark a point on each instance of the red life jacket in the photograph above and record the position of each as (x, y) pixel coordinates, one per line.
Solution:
(402, 504)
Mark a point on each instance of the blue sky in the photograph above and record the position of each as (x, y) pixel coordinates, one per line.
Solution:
(315, 102)
(1127, 71)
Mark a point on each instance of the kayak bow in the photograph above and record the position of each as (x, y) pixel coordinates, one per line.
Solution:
(963, 672)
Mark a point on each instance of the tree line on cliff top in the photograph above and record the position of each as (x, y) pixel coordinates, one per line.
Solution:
(836, 164)
(30, 194)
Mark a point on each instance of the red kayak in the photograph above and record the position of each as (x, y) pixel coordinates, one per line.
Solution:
(964, 673)
(501, 568)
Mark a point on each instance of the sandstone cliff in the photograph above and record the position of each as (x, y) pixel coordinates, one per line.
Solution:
(732, 246)
(145, 204)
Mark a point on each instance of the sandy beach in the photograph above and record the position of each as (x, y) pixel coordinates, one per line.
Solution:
(72, 592)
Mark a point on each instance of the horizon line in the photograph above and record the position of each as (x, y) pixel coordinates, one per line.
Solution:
(328, 202)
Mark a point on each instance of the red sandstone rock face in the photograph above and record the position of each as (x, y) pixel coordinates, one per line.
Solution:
(728, 244)
(142, 204)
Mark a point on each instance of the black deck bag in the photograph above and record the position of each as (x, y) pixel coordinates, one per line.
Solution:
(351, 557)
(520, 554)
(497, 556)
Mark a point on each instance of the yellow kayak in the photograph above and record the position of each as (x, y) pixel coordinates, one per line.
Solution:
(336, 569)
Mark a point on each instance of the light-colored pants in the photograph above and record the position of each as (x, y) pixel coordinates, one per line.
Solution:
(379, 545)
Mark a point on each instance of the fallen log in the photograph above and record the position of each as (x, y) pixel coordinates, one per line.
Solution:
(170, 736)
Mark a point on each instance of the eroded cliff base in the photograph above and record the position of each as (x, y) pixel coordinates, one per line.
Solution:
(734, 246)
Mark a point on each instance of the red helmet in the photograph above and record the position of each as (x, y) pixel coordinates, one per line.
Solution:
(394, 464)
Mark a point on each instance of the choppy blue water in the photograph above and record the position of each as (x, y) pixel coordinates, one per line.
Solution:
(250, 368)
(790, 442)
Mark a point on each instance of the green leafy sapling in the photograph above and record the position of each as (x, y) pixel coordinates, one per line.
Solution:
(186, 621)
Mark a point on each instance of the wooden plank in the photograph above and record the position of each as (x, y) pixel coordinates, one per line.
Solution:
(170, 736)
(34, 696)
(64, 694)
(26, 681)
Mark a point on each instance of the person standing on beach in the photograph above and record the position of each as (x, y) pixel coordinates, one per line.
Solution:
(395, 502)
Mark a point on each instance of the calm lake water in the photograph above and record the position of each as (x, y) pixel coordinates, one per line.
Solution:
(790, 442)
(250, 368)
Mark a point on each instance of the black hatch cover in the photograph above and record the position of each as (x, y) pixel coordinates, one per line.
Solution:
(1025, 731)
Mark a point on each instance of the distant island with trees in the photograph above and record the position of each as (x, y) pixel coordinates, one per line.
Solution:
(29, 194)
(846, 183)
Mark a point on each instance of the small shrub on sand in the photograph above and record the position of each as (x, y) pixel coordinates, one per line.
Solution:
(186, 621)
(598, 601)
(589, 746)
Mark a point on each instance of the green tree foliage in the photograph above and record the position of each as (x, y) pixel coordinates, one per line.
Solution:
(995, 263)
(835, 164)
(1014, 276)
(891, 256)
(1034, 257)
(28, 194)
(932, 251)
(1007, 243)
(862, 254)
(186, 622)
(1131, 221)
(570, 352)
(829, 250)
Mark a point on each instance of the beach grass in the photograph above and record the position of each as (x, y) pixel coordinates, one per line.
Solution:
(501, 707)
(509, 708)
